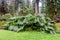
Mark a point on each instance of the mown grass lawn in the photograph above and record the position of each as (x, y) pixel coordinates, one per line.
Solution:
(28, 35)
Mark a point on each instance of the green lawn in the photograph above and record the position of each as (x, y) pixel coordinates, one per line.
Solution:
(31, 35)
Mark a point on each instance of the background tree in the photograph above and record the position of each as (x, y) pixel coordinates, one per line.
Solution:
(36, 6)
(51, 9)
(58, 6)
(3, 7)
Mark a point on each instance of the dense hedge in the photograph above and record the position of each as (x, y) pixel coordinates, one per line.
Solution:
(30, 22)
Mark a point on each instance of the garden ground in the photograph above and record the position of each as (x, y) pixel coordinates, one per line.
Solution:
(27, 35)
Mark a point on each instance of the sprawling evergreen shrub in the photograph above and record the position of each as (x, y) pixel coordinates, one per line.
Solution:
(30, 22)
(5, 17)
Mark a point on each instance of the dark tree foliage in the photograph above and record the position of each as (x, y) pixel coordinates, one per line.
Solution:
(51, 9)
(58, 6)
(3, 7)
(17, 2)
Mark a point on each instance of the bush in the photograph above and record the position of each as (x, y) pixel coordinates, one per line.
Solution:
(30, 22)
(1, 24)
(26, 10)
(5, 17)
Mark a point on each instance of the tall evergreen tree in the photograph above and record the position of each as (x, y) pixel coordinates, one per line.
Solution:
(51, 9)
(3, 7)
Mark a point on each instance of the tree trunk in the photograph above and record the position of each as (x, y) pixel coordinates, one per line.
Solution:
(36, 7)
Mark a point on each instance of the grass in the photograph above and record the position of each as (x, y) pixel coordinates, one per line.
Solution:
(31, 35)
(58, 29)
